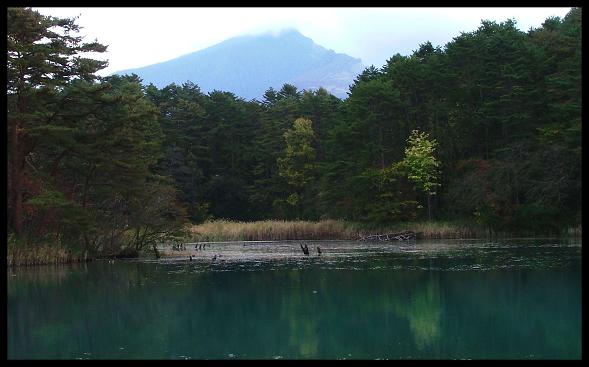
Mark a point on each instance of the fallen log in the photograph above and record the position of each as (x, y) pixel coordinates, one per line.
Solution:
(398, 236)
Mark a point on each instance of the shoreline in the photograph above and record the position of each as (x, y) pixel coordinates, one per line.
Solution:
(223, 231)
(330, 229)
(166, 251)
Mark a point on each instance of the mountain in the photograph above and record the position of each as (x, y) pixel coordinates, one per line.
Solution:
(249, 65)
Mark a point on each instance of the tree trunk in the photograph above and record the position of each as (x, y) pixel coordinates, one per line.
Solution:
(155, 251)
(16, 180)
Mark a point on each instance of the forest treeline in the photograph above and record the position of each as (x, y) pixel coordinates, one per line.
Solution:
(485, 130)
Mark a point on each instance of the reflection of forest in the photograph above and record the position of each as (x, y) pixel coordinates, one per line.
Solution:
(423, 312)
(175, 310)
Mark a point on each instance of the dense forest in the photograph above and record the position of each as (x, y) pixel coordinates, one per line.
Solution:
(486, 129)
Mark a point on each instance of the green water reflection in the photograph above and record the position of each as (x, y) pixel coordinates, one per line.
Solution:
(381, 306)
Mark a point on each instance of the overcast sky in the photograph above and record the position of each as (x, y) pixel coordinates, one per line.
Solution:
(142, 36)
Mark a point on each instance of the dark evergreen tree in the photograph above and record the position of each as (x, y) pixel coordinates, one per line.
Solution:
(44, 54)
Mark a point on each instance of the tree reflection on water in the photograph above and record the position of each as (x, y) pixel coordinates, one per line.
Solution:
(402, 306)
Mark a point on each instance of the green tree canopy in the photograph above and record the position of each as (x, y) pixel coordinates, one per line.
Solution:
(298, 164)
(422, 165)
(44, 54)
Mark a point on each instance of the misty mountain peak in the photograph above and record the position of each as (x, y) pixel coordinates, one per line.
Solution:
(250, 64)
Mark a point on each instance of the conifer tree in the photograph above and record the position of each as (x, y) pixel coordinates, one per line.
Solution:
(43, 56)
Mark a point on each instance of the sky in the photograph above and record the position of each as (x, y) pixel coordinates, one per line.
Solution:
(138, 37)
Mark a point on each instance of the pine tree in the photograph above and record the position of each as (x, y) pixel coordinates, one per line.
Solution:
(43, 56)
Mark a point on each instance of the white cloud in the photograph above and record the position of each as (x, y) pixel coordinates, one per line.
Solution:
(143, 36)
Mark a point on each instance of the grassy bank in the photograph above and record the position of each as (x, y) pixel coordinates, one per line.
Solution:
(20, 254)
(273, 230)
(576, 232)
(23, 255)
(222, 230)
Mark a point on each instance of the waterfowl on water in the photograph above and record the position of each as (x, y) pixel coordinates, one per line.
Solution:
(319, 250)
(190, 258)
(305, 249)
(214, 257)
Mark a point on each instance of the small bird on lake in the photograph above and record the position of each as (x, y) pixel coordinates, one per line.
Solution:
(319, 250)
(190, 258)
(305, 249)
(214, 257)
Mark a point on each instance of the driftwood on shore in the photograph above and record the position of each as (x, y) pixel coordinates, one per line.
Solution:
(399, 236)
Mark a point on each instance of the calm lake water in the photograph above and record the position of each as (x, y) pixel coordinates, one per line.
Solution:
(511, 299)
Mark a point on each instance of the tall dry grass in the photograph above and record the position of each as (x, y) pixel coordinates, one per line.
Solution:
(275, 230)
(270, 230)
(575, 231)
(442, 230)
(42, 254)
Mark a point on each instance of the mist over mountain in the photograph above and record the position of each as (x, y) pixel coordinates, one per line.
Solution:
(249, 65)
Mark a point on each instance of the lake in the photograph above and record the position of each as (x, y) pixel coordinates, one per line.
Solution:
(442, 299)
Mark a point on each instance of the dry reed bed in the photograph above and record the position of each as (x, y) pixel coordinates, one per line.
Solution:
(42, 255)
(275, 230)
(442, 230)
(270, 230)
(575, 231)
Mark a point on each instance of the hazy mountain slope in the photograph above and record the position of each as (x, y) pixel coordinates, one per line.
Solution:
(249, 65)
